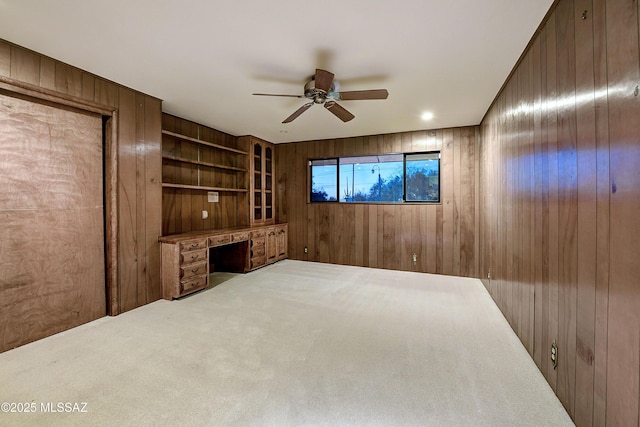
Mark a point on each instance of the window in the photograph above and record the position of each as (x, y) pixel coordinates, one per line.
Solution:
(422, 177)
(324, 187)
(371, 178)
(385, 178)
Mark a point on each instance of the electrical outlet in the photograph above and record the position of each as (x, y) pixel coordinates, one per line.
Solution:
(415, 258)
(489, 274)
(306, 250)
(554, 354)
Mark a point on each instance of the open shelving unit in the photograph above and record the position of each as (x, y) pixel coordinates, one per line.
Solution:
(197, 162)
(205, 177)
(203, 188)
(207, 166)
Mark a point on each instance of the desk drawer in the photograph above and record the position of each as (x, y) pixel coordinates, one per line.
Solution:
(193, 257)
(191, 285)
(192, 245)
(257, 233)
(258, 261)
(240, 237)
(257, 251)
(257, 247)
(193, 270)
(257, 241)
(219, 240)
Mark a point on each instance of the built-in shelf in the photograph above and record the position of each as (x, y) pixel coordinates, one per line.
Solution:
(204, 188)
(233, 164)
(201, 142)
(201, 163)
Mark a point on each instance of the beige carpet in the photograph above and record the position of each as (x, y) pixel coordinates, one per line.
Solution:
(294, 343)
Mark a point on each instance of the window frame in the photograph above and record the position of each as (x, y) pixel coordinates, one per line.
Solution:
(404, 190)
(404, 179)
(310, 179)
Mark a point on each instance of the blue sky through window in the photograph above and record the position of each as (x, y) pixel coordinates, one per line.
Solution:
(377, 178)
(361, 178)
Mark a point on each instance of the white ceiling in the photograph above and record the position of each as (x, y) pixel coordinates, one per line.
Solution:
(204, 59)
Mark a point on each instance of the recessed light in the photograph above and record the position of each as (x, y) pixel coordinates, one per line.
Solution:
(427, 116)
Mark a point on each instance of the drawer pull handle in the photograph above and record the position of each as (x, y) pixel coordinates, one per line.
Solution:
(194, 270)
(194, 256)
(194, 245)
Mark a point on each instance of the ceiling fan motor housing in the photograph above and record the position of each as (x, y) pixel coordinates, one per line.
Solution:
(318, 95)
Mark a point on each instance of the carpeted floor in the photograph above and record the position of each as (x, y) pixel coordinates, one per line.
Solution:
(294, 343)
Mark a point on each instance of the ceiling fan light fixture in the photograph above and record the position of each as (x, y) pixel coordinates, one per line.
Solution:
(321, 89)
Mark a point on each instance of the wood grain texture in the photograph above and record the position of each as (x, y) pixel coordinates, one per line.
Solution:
(68, 79)
(141, 194)
(5, 59)
(623, 358)
(540, 290)
(25, 65)
(586, 227)
(182, 208)
(385, 235)
(552, 152)
(602, 219)
(47, 73)
(567, 199)
(152, 155)
(127, 206)
(52, 267)
(56, 80)
(110, 130)
(560, 156)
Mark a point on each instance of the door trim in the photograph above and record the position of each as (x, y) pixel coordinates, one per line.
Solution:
(12, 88)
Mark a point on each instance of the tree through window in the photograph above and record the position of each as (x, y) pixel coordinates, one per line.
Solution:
(385, 178)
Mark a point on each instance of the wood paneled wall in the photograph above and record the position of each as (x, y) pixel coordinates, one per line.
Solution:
(386, 235)
(182, 209)
(138, 157)
(560, 206)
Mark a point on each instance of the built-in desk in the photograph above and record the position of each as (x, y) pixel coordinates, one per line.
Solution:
(186, 257)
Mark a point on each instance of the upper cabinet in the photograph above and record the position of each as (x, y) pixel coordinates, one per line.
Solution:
(261, 180)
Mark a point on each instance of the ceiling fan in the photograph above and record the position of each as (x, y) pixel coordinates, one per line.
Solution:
(321, 89)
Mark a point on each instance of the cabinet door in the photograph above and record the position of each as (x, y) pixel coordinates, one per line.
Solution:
(268, 183)
(262, 182)
(282, 242)
(257, 200)
(272, 242)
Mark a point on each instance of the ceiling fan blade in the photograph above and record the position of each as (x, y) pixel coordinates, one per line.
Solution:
(323, 80)
(274, 94)
(364, 94)
(299, 111)
(338, 111)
